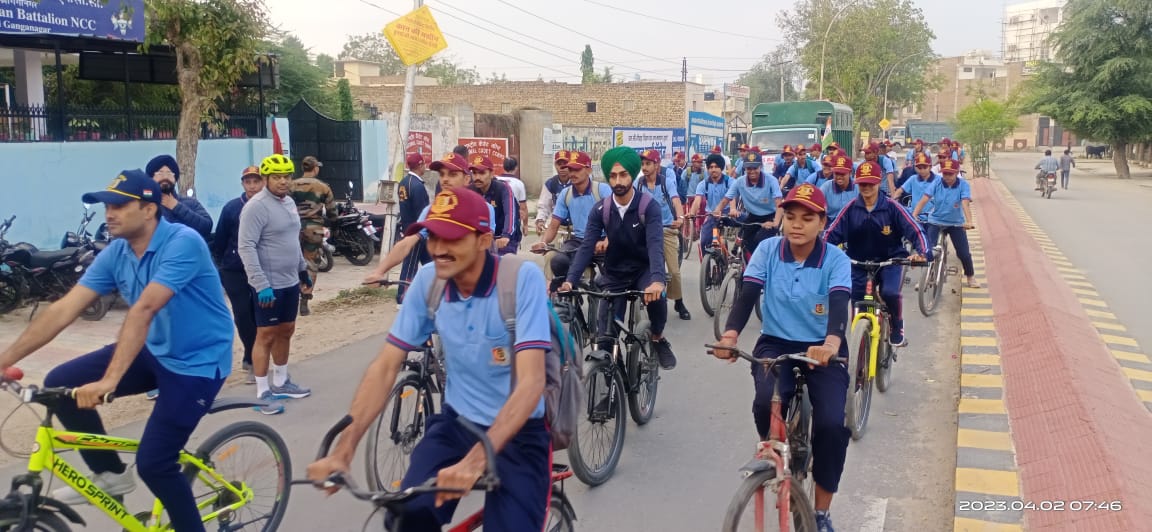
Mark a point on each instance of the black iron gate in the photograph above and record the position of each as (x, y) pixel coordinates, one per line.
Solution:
(335, 143)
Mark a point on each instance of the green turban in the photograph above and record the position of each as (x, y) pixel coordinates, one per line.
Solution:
(627, 157)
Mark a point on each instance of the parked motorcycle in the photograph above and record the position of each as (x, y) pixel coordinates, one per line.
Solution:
(353, 235)
(81, 238)
(29, 273)
(326, 251)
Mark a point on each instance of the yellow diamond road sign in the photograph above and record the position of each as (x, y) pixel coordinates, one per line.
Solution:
(884, 123)
(415, 36)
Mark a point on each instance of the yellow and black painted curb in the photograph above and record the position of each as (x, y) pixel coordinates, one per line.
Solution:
(1133, 361)
(986, 472)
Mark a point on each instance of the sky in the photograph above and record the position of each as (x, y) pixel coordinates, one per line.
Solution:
(525, 40)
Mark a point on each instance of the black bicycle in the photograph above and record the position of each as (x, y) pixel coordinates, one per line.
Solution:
(623, 363)
(570, 307)
(935, 275)
(561, 515)
(401, 424)
(732, 281)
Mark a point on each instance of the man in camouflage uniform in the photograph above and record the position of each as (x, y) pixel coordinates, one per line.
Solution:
(314, 201)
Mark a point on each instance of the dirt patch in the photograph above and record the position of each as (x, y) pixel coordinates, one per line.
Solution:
(354, 314)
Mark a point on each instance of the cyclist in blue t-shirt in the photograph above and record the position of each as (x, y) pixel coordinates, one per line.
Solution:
(709, 194)
(948, 203)
(165, 272)
(759, 193)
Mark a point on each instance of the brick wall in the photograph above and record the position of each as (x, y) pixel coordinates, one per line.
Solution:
(637, 104)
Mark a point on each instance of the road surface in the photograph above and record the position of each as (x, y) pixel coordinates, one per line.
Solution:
(678, 472)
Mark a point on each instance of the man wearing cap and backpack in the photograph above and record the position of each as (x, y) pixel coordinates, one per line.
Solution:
(573, 206)
(497, 373)
(709, 194)
(499, 196)
(760, 195)
(551, 188)
(800, 171)
(662, 186)
(413, 196)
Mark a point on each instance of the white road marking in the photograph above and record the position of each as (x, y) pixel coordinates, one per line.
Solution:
(873, 515)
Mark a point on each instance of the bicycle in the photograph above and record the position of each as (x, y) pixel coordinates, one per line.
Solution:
(561, 514)
(228, 499)
(631, 368)
(782, 463)
(571, 309)
(934, 278)
(689, 234)
(733, 280)
(872, 355)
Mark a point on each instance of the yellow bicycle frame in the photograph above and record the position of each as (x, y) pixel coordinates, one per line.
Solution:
(49, 441)
(873, 336)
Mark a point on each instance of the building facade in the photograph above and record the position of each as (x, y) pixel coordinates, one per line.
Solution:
(1026, 28)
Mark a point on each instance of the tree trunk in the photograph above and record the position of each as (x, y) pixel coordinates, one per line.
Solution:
(1120, 160)
(188, 65)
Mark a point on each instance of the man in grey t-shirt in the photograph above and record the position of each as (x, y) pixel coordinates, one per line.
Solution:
(269, 245)
(1067, 162)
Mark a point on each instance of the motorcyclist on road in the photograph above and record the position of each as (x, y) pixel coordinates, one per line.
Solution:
(1047, 165)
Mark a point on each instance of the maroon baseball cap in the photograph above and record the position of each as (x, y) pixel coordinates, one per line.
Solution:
(949, 166)
(414, 160)
(650, 155)
(480, 162)
(251, 171)
(454, 214)
(580, 161)
(816, 148)
(451, 161)
(807, 196)
(868, 173)
(561, 155)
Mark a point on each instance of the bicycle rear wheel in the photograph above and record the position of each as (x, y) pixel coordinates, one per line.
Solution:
(643, 374)
(859, 386)
(396, 432)
(929, 295)
(559, 518)
(252, 456)
(599, 440)
(711, 277)
(754, 507)
(727, 298)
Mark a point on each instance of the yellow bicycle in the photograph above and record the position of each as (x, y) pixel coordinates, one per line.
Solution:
(224, 472)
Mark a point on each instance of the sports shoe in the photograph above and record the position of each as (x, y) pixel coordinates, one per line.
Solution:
(272, 408)
(152, 394)
(682, 310)
(304, 310)
(114, 484)
(897, 339)
(250, 377)
(664, 353)
(824, 522)
(290, 391)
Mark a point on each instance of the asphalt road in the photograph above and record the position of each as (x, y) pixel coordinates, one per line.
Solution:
(1101, 224)
(678, 472)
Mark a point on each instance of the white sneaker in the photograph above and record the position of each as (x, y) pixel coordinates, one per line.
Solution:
(113, 484)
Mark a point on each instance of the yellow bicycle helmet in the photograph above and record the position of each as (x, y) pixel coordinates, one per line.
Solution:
(276, 164)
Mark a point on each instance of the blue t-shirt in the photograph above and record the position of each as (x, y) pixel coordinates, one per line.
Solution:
(794, 302)
(817, 179)
(666, 212)
(713, 193)
(477, 362)
(759, 199)
(192, 334)
(801, 174)
(915, 188)
(836, 198)
(577, 210)
(947, 202)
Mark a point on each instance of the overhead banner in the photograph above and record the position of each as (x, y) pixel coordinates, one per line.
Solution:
(419, 142)
(704, 131)
(664, 140)
(119, 20)
(495, 149)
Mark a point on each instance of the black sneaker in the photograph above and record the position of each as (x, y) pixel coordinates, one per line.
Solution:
(664, 353)
(682, 310)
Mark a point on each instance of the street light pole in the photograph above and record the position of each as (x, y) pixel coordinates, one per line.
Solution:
(824, 44)
(889, 78)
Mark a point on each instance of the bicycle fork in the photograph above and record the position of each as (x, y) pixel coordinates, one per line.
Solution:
(874, 333)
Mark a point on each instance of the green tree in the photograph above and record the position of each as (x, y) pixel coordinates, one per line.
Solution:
(449, 73)
(872, 45)
(327, 64)
(216, 42)
(344, 90)
(1102, 86)
(981, 124)
(763, 79)
(301, 79)
(588, 66)
(373, 47)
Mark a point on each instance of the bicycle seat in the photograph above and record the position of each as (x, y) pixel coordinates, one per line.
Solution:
(48, 259)
(232, 403)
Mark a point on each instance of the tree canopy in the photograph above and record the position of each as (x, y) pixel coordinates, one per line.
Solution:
(588, 68)
(1101, 86)
(374, 47)
(763, 79)
(981, 124)
(871, 44)
(301, 78)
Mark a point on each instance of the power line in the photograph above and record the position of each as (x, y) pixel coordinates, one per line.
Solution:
(678, 23)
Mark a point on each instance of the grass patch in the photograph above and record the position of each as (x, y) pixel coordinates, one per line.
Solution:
(361, 295)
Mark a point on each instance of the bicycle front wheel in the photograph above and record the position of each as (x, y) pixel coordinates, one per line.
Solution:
(711, 276)
(929, 295)
(859, 385)
(396, 432)
(250, 456)
(643, 373)
(725, 300)
(755, 506)
(599, 440)
(10, 519)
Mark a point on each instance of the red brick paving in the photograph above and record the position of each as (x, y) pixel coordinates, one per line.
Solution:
(1079, 430)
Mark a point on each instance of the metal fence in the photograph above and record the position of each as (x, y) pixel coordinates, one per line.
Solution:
(77, 123)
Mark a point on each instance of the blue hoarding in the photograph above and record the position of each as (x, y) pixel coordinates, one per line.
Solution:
(664, 140)
(704, 131)
(121, 20)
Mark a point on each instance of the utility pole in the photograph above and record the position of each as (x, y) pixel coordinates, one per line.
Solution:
(781, 81)
(684, 70)
(406, 106)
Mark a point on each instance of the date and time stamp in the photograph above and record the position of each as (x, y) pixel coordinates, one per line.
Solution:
(1056, 505)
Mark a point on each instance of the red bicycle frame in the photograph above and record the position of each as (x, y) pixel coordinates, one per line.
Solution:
(476, 520)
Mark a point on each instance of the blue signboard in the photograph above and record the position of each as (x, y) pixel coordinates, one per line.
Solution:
(704, 131)
(664, 140)
(121, 20)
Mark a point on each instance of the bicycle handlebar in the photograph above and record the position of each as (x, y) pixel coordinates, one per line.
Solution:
(34, 394)
(602, 295)
(769, 363)
(889, 262)
(384, 283)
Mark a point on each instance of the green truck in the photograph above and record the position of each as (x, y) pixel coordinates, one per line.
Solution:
(929, 132)
(776, 124)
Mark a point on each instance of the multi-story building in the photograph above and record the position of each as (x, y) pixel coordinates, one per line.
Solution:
(1026, 28)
